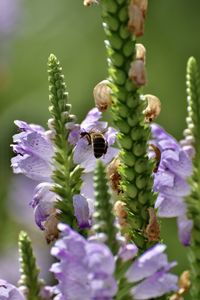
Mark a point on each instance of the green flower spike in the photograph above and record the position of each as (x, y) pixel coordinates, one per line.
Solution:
(28, 269)
(65, 176)
(136, 169)
(103, 217)
(193, 201)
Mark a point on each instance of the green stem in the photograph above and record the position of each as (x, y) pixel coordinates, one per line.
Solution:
(136, 171)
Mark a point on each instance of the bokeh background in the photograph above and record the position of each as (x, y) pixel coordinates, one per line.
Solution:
(29, 32)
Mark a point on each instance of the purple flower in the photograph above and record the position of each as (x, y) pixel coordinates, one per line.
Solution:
(83, 151)
(170, 181)
(151, 271)
(86, 269)
(34, 159)
(9, 291)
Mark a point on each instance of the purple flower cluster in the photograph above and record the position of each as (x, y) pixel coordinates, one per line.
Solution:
(170, 181)
(34, 159)
(9, 291)
(86, 269)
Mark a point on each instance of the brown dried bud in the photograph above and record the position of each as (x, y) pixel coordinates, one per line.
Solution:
(184, 286)
(157, 156)
(153, 229)
(140, 52)
(137, 72)
(121, 213)
(114, 176)
(50, 227)
(102, 95)
(153, 108)
(90, 2)
(137, 12)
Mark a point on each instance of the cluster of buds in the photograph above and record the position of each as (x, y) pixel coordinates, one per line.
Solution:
(137, 72)
(137, 13)
(102, 95)
(153, 108)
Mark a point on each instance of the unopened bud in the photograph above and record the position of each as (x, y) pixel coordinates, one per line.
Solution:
(137, 12)
(90, 2)
(51, 231)
(121, 213)
(140, 52)
(113, 175)
(153, 229)
(153, 108)
(184, 286)
(137, 73)
(102, 95)
(51, 123)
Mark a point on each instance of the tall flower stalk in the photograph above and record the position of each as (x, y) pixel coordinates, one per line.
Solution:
(136, 168)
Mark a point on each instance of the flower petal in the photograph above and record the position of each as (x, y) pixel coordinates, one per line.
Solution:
(9, 291)
(81, 211)
(184, 229)
(169, 207)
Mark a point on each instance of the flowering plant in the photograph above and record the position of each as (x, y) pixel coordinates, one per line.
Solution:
(100, 191)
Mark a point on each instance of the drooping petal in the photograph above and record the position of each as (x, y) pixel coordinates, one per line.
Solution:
(32, 167)
(91, 120)
(184, 229)
(155, 286)
(81, 211)
(147, 264)
(169, 207)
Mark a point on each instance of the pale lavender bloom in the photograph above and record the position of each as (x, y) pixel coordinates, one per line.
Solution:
(86, 269)
(81, 211)
(83, 152)
(9, 291)
(170, 181)
(151, 271)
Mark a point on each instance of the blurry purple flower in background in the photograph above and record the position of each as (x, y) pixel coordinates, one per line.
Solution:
(9, 291)
(170, 181)
(86, 269)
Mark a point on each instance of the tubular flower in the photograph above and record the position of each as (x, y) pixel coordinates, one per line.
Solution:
(170, 181)
(86, 269)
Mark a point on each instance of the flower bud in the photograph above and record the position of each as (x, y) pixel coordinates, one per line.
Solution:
(153, 108)
(51, 231)
(102, 95)
(113, 175)
(140, 52)
(137, 12)
(137, 73)
(89, 2)
(121, 213)
(153, 229)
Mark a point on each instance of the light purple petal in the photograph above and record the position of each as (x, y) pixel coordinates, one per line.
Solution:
(169, 207)
(32, 167)
(184, 229)
(155, 286)
(91, 119)
(148, 263)
(128, 251)
(9, 291)
(87, 188)
(163, 178)
(74, 134)
(103, 288)
(179, 189)
(81, 211)
(110, 135)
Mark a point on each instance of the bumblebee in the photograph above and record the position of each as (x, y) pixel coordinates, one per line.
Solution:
(98, 142)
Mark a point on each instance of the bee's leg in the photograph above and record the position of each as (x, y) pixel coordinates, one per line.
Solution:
(88, 137)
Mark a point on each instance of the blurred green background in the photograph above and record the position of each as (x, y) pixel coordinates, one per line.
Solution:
(74, 33)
